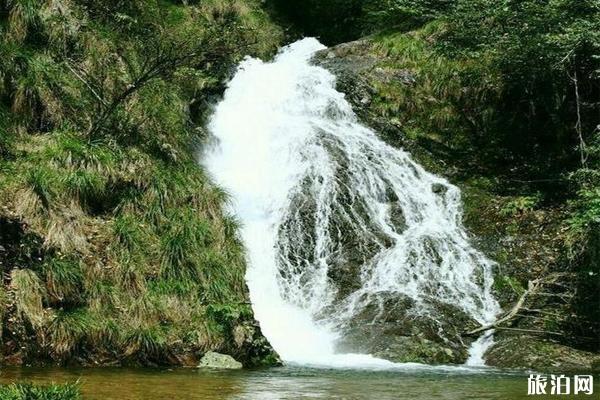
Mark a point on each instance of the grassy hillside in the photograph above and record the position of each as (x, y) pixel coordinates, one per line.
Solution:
(114, 246)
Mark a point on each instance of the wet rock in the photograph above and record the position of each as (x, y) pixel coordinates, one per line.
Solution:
(392, 327)
(251, 347)
(439, 188)
(348, 62)
(219, 361)
(519, 351)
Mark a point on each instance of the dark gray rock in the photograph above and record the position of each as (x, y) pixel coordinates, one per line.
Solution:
(391, 327)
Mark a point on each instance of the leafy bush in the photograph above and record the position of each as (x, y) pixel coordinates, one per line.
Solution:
(403, 15)
(520, 205)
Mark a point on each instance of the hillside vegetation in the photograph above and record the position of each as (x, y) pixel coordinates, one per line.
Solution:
(28, 391)
(114, 246)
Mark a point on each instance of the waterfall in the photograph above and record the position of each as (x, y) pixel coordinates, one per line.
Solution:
(335, 221)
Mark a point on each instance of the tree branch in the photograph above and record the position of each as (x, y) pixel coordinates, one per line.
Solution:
(86, 83)
(532, 288)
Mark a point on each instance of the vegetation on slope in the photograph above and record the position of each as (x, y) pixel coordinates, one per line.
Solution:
(113, 242)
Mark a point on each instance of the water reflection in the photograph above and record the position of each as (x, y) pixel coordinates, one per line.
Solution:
(281, 384)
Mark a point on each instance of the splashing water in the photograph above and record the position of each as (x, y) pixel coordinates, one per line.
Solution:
(323, 199)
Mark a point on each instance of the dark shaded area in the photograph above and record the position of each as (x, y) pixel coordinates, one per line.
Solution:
(17, 247)
(332, 21)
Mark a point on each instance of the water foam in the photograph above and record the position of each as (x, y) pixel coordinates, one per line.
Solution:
(305, 176)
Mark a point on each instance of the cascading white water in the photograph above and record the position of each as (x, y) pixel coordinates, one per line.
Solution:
(313, 189)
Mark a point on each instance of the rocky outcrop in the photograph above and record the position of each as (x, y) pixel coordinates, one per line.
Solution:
(248, 345)
(393, 329)
(526, 241)
(541, 355)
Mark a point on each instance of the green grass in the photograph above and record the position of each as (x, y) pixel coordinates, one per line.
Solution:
(446, 100)
(64, 279)
(29, 391)
(132, 240)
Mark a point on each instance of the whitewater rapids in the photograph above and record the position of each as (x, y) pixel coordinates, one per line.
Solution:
(306, 179)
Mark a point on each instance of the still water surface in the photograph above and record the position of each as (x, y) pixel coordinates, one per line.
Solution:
(284, 383)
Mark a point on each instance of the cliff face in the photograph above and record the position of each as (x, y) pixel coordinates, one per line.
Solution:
(114, 246)
(414, 98)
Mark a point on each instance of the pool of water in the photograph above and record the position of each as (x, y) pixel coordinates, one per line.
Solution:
(284, 383)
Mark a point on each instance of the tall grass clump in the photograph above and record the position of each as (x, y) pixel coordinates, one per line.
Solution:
(30, 391)
(29, 295)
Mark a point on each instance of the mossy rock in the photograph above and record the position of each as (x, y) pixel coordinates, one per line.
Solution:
(394, 331)
(512, 351)
(219, 361)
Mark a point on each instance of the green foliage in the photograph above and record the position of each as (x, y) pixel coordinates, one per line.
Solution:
(228, 315)
(42, 184)
(29, 391)
(333, 21)
(539, 49)
(102, 107)
(336, 21)
(519, 205)
(403, 15)
(587, 212)
(508, 284)
(64, 279)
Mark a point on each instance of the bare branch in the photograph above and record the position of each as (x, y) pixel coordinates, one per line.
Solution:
(86, 83)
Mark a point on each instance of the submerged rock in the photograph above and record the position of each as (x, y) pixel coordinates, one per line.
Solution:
(219, 361)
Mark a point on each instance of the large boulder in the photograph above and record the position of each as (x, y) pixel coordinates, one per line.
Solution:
(393, 328)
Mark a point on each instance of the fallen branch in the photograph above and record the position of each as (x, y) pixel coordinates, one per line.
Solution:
(532, 287)
(538, 331)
